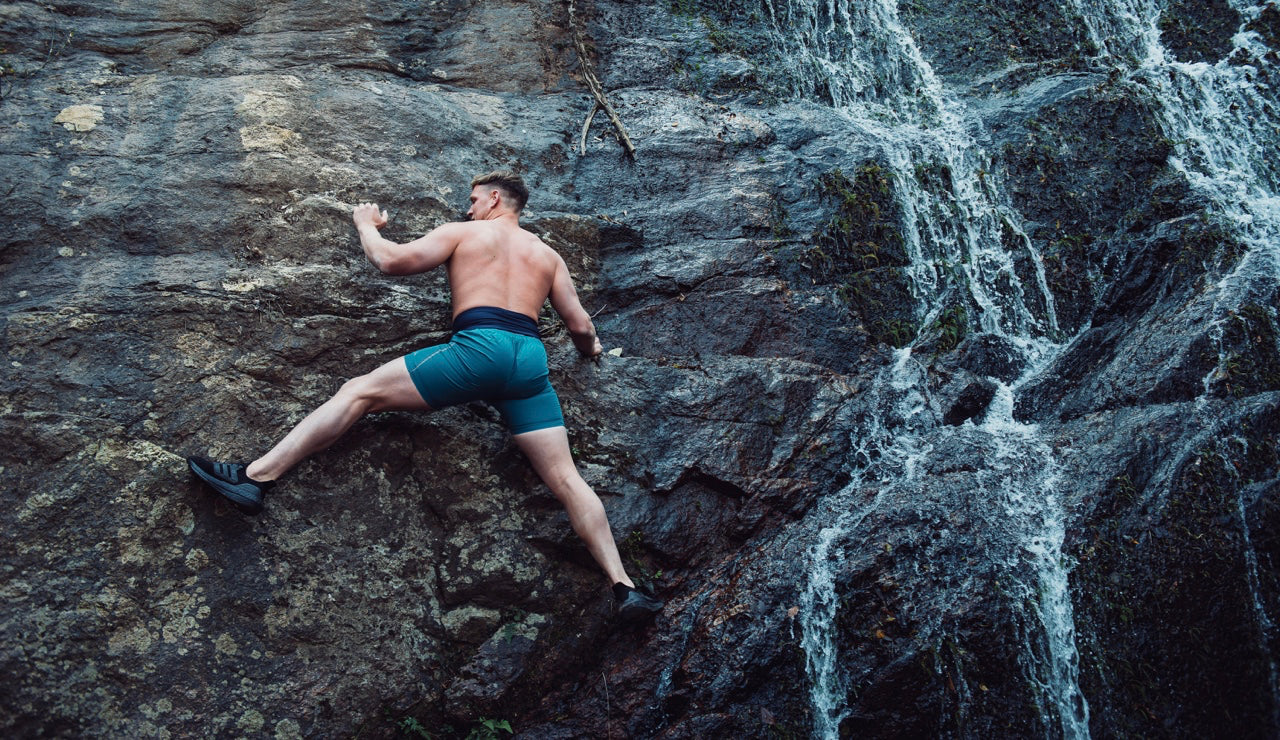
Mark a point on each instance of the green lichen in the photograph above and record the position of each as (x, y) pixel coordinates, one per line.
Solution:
(859, 251)
(863, 231)
(951, 327)
(633, 552)
(1249, 360)
(779, 220)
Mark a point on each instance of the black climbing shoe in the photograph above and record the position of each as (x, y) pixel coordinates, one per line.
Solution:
(634, 607)
(230, 480)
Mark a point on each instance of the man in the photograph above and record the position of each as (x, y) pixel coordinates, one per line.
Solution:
(500, 275)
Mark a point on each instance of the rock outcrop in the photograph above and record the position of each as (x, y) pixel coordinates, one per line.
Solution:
(811, 438)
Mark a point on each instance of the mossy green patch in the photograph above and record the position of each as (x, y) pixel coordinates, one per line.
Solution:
(1249, 360)
(859, 251)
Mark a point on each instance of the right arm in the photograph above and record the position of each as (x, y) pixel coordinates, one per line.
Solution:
(564, 299)
(420, 255)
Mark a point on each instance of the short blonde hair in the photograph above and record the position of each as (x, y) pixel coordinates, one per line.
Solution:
(511, 184)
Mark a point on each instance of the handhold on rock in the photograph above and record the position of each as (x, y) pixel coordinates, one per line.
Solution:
(80, 117)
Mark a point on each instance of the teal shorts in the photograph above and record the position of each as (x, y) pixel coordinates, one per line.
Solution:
(506, 369)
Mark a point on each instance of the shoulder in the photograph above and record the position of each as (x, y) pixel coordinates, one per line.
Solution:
(453, 231)
(462, 228)
(531, 237)
(534, 242)
(462, 233)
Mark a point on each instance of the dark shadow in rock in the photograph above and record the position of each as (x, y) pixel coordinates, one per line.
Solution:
(971, 402)
(991, 355)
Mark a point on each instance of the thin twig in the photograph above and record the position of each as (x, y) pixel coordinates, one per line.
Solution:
(14, 75)
(593, 83)
(607, 733)
(582, 145)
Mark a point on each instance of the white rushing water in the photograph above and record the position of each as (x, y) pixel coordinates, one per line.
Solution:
(1025, 469)
(1222, 119)
(889, 461)
(858, 58)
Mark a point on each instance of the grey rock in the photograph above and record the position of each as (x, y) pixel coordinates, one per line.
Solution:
(179, 275)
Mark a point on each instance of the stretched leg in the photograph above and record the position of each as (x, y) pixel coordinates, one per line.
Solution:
(388, 388)
(548, 450)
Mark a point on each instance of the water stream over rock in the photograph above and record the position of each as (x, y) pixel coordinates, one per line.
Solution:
(943, 399)
(892, 95)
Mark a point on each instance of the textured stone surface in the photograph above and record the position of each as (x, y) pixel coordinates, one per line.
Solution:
(179, 275)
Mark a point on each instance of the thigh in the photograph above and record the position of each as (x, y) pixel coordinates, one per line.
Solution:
(548, 451)
(539, 411)
(390, 388)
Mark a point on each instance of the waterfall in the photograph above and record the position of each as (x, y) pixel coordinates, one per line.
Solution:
(1032, 501)
(1221, 117)
(888, 461)
(859, 59)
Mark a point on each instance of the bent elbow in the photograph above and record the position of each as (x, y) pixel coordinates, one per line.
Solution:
(388, 264)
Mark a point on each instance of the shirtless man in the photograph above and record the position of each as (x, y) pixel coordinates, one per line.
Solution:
(500, 275)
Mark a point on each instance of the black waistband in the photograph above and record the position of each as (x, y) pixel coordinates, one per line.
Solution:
(491, 317)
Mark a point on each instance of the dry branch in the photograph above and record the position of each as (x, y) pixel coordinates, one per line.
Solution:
(597, 91)
(586, 125)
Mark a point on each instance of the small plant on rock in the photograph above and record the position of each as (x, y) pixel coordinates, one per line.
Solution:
(488, 729)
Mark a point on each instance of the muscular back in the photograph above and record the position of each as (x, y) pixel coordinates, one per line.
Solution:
(491, 262)
(497, 264)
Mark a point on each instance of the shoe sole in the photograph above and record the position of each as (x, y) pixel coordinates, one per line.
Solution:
(247, 505)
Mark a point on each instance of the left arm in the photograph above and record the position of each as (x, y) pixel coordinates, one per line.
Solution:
(564, 299)
(420, 255)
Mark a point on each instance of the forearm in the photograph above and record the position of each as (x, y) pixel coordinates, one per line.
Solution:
(380, 250)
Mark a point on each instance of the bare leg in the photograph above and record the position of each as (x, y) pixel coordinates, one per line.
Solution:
(548, 450)
(388, 388)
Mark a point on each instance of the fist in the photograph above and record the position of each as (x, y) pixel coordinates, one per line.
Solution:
(368, 213)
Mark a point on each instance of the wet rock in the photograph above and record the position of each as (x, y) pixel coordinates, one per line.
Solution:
(1199, 31)
(1267, 24)
(1161, 580)
(971, 402)
(991, 355)
(484, 681)
(1072, 207)
(970, 39)
(179, 275)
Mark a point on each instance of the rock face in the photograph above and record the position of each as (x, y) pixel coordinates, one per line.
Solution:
(894, 474)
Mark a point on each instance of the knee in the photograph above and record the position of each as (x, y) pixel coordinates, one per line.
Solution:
(576, 496)
(564, 480)
(358, 393)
